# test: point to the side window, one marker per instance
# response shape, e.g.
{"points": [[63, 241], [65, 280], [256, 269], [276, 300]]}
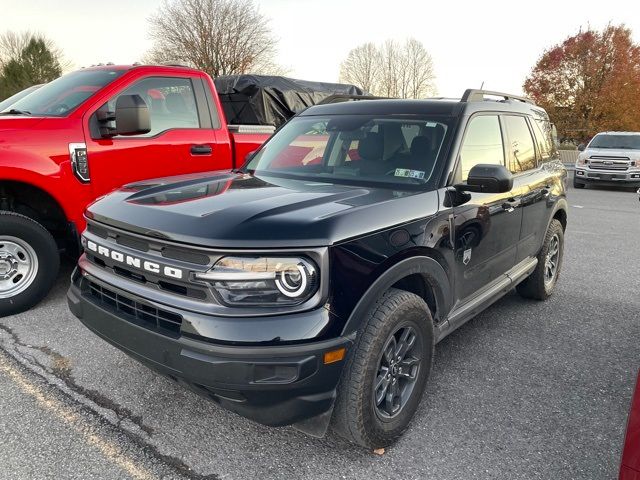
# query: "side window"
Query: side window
{"points": [[482, 143], [544, 135], [522, 153], [171, 102]]}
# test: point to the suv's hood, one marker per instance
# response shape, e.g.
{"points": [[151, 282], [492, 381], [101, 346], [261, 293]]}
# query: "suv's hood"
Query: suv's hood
{"points": [[230, 210], [611, 152]]}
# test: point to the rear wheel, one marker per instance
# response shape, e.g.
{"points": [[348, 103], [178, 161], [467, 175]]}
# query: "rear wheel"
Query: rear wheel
{"points": [[540, 284], [387, 371], [29, 262]]}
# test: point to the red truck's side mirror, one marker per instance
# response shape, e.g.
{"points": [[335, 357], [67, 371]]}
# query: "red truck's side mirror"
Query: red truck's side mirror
{"points": [[132, 115]]}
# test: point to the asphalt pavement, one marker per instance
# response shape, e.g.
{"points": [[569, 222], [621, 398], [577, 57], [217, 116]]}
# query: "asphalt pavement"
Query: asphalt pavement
{"points": [[526, 390]]}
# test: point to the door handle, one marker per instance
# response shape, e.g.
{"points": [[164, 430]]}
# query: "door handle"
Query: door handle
{"points": [[511, 204], [201, 149]]}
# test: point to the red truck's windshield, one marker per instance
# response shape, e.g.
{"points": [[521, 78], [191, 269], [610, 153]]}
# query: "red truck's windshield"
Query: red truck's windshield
{"points": [[62, 95]]}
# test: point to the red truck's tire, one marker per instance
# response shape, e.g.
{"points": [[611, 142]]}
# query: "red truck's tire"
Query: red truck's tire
{"points": [[29, 262]]}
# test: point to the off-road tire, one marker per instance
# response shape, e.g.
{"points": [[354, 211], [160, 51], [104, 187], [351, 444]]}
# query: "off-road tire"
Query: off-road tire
{"points": [[535, 286], [355, 417], [45, 247]]}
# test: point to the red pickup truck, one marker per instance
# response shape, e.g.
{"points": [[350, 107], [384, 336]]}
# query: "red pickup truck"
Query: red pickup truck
{"points": [[86, 133]]}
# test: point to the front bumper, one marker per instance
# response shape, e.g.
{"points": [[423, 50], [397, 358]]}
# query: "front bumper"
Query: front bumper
{"points": [[272, 385], [608, 177]]}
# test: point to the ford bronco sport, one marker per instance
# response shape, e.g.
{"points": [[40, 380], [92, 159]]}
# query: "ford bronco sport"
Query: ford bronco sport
{"points": [[310, 286]]}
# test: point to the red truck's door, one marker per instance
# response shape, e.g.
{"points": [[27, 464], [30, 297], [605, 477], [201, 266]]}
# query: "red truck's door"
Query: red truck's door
{"points": [[182, 137]]}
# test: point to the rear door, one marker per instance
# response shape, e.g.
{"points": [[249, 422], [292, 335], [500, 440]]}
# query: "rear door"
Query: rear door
{"points": [[487, 226], [531, 179], [181, 139]]}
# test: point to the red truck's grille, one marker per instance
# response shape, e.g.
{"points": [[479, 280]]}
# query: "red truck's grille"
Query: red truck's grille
{"points": [[153, 318]]}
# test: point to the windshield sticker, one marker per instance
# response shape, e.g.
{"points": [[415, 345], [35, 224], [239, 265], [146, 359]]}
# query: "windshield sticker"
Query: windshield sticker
{"points": [[405, 172]]}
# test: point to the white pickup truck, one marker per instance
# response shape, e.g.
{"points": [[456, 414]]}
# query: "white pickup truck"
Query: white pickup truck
{"points": [[611, 159]]}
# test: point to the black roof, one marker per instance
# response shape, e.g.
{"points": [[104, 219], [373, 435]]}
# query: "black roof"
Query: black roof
{"points": [[472, 101], [386, 107]]}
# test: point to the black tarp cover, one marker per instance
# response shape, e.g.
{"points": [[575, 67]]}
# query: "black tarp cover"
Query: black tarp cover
{"points": [[272, 100]]}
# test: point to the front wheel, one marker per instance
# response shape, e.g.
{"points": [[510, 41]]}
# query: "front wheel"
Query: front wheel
{"points": [[577, 184], [387, 371], [29, 262], [540, 284]]}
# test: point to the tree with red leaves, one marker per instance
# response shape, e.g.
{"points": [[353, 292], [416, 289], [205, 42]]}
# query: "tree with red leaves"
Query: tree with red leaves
{"points": [[590, 83]]}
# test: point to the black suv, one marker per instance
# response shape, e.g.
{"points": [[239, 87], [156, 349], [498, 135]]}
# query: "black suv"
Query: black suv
{"points": [[311, 286]]}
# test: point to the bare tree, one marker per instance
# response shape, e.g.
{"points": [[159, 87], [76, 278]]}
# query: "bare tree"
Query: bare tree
{"points": [[361, 67], [392, 69], [419, 70], [221, 37]]}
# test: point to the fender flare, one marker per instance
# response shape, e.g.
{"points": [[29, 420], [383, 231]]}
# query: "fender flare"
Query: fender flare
{"points": [[433, 273], [561, 204]]}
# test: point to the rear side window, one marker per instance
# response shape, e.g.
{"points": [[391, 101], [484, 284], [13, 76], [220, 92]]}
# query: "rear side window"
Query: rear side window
{"points": [[171, 102], [522, 153], [544, 138], [482, 144]]}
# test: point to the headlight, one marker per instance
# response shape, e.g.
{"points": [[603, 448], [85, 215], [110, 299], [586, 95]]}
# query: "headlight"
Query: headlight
{"points": [[262, 281], [582, 159]]}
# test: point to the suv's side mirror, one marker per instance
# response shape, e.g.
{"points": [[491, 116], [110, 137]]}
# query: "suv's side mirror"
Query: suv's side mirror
{"points": [[487, 178], [132, 115], [581, 147]]}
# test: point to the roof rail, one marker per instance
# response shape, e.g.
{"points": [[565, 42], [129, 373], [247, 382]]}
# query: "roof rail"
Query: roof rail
{"points": [[346, 98], [473, 95]]}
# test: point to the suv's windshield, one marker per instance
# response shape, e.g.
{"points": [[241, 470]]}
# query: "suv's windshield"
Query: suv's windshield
{"points": [[356, 149], [62, 95], [624, 142]]}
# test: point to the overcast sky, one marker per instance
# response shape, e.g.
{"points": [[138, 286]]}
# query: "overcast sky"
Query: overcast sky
{"points": [[470, 42]]}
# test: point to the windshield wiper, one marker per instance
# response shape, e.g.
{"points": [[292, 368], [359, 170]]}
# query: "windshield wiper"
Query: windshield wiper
{"points": [[15, 111]]}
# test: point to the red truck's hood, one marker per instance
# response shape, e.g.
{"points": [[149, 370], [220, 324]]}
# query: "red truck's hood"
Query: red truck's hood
{"points": [[18, 122]]}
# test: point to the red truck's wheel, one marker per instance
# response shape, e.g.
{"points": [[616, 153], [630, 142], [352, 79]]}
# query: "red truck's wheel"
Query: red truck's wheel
{"points": [[29, 262]]}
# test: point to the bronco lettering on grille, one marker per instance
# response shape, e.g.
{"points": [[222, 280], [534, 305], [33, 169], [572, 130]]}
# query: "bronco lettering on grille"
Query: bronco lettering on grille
{"points": [[131, 261]]}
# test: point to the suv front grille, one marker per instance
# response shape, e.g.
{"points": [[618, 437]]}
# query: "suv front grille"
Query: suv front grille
{"points": [[161, 321]]}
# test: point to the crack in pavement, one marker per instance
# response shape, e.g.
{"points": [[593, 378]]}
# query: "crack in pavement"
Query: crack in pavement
{"points": [[91, 401]]}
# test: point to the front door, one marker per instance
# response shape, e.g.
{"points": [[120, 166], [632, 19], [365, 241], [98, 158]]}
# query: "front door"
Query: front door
{"points": [[178, 143], [487, 225]]}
